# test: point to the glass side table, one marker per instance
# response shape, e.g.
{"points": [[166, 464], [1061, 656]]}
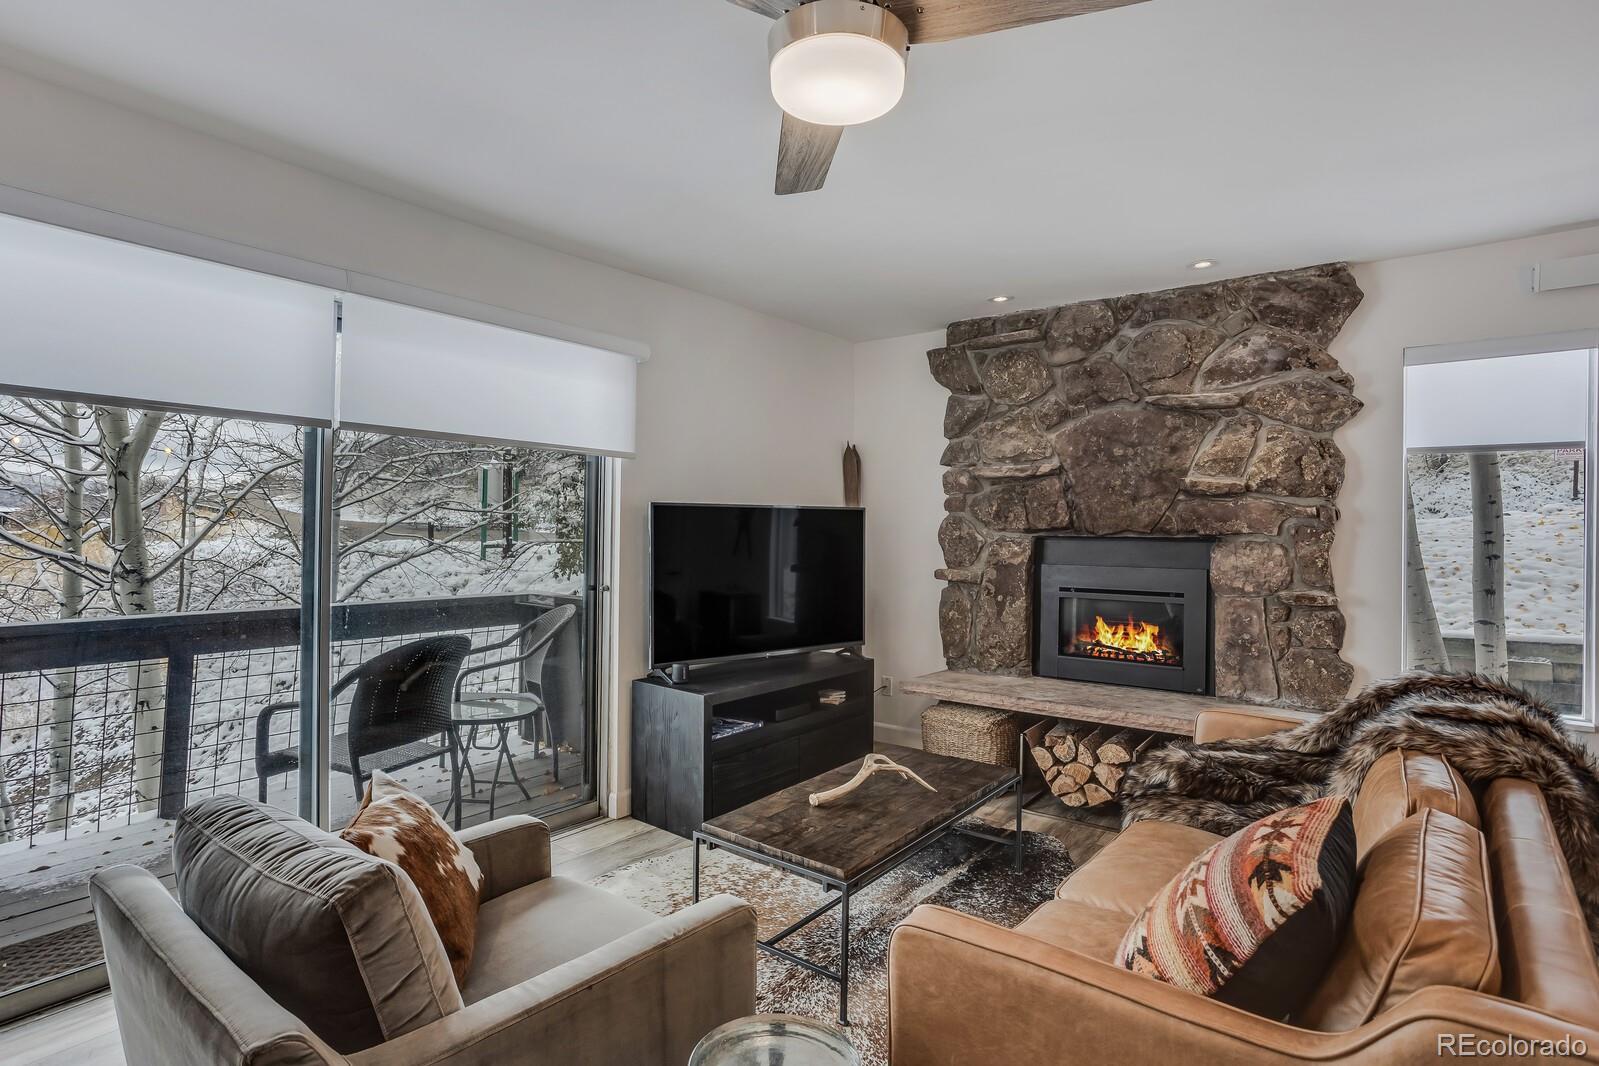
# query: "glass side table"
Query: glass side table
{"points": [[775, 1040], [494, 714]]}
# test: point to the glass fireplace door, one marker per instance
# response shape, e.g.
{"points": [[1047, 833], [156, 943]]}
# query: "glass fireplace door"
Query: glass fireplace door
{"points": [[1122, 627]]}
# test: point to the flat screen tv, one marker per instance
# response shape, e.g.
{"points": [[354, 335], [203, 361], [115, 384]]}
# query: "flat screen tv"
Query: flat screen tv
{"points": [[730, 582]]}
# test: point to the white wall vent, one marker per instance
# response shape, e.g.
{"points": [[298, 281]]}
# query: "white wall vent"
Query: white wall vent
{"points": [[1570, 273]]}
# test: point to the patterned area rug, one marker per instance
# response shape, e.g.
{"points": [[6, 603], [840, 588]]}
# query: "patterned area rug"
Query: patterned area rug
{"points": [[970, 876]]}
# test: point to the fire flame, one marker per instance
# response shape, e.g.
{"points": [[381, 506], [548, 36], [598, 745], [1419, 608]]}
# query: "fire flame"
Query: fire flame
{"points": [[1135, 639]]}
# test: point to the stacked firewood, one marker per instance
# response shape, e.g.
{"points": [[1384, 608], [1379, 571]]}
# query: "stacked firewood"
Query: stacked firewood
{"points": [[1083, 765]]}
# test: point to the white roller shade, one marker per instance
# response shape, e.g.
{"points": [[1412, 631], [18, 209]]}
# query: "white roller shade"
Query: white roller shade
{"points": [[95, 317], [1508, 401], [402, 368]]}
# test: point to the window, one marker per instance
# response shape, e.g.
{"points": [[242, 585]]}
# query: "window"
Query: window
{"points": [[201, 562], [1499, 519]]}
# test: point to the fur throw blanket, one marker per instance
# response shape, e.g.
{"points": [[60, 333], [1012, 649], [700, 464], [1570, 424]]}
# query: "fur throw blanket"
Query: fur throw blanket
{"points": [[1485, 729]]}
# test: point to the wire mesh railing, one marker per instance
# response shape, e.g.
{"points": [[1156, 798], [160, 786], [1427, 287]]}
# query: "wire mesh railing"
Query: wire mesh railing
{"points": [[110, 721]]}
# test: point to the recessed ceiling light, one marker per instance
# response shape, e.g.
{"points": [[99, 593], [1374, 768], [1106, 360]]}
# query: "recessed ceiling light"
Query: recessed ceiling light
{"points": [[999, 299], [1202, 264]]}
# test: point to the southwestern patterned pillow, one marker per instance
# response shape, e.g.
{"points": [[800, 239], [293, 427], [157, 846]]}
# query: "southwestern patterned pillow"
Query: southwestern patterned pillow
{"points": [[394, 823], [1255, 919]]}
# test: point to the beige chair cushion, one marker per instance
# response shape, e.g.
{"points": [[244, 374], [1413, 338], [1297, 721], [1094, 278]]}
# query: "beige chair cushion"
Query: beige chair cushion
{"points": [[537, 928], [1424, 917], [338, 937], [1402, 783], [1128, 871], [1091, 931]]}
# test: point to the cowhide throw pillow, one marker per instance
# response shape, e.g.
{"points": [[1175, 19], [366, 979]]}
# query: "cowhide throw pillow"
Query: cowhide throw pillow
{"points": [[1254, 920], [396, 824]]}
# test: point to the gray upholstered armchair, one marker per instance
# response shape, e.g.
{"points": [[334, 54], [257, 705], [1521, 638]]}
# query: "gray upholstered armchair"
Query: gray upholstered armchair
{"points": [[292, 947]]}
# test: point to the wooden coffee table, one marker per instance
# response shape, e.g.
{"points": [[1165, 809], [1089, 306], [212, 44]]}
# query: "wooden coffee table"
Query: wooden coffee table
{"points": [[851, 843]]}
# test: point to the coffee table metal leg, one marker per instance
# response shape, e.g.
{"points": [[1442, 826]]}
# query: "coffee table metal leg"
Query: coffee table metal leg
{"points": [[843, 956], [696, 869]]}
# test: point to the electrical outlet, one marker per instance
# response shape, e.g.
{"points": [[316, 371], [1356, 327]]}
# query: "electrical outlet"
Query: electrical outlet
{"points": [[890, 686]]}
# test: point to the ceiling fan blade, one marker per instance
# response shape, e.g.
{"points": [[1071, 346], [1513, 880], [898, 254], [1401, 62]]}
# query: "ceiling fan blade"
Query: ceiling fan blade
{"points": [[930, 21], [804, 154]]}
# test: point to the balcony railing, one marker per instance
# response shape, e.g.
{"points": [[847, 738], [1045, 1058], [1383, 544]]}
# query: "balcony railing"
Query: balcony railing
{"points": [[114, 720]]}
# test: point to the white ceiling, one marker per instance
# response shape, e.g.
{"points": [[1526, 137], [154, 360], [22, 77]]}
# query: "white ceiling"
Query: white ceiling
{"points": [[1091, 156]]}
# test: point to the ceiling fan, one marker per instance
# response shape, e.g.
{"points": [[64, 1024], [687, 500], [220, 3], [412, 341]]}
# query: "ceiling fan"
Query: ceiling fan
{"points": [[837, 63]]}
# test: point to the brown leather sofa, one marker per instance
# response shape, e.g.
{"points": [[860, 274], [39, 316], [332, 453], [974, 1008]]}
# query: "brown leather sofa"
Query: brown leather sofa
{"points": [[1494, 948]]}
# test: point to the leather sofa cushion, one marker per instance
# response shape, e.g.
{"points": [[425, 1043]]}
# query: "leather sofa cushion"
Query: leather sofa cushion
{"points": [[1239, 725], [1424, 917], [1545, 951], [1402, 783], [540, 926], [337, 937], [1091, 931], [1128, 871]]}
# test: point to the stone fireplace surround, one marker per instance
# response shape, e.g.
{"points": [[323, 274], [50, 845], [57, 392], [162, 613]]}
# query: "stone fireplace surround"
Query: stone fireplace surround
{"points": [[1205, 411]]}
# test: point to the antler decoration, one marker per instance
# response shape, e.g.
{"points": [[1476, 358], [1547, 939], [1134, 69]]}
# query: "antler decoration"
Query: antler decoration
{"points": [[870, 766]]}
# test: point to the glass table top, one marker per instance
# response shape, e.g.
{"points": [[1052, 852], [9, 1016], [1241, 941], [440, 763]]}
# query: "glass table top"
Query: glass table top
{"points": [[775, 1040], [495, 707]]}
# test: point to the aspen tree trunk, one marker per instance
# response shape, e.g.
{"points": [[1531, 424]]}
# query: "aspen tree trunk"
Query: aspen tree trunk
{"points": [[8, 821], [1424, 642], [65, 682], [1488, 566], [126, 445]]}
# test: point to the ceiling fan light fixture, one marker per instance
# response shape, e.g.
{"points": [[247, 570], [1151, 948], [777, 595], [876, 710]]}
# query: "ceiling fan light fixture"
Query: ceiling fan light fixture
{"points": [[838, 62]]}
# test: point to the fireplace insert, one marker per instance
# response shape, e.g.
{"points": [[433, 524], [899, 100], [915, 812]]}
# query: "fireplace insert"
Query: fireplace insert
{"points": [[1126, 611]]}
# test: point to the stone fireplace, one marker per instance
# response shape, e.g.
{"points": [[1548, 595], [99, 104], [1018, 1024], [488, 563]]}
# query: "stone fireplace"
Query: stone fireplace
{"points": [[1200, 413]]}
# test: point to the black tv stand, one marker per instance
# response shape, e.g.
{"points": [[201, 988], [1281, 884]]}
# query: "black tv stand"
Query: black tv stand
{"points": [[688, 767]]}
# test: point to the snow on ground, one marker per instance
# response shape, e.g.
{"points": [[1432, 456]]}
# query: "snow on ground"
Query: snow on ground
{"points": [[1543, 572], [1543, 542]]}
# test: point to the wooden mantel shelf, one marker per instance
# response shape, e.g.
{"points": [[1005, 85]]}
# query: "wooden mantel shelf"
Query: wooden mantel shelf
{"points": [[1082, 701]]}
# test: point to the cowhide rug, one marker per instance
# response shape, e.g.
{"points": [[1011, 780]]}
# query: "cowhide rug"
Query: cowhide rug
{"points": [[970, 876]]}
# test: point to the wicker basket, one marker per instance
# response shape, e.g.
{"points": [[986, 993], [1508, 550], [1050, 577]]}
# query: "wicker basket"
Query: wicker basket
{"points": [[962, 731]]}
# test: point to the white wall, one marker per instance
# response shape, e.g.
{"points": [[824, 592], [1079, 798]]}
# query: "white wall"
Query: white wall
{"points": [[733, 405], [899, 428], [1469, 294]]}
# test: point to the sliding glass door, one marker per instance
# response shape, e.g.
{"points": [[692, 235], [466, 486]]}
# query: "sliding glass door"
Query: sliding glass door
{"points": [[153, 651], [448, 546], [241, 579]]}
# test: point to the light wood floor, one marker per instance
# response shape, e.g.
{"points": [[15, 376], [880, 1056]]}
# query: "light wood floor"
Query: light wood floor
{"points": [[84, 1032]]}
